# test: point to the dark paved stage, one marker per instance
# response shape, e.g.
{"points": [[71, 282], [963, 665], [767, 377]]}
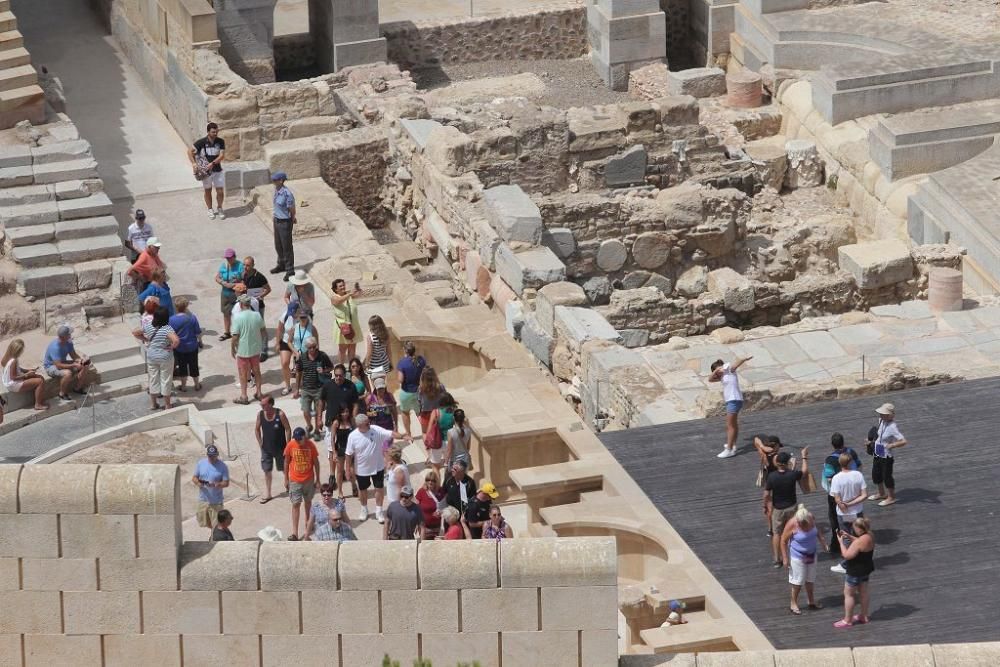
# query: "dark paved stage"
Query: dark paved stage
{"points": [[937, 550]]}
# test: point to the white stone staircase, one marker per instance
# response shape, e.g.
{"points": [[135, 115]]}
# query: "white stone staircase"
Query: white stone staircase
{"points": [[121, 370], [57, 217], [21, 98]]}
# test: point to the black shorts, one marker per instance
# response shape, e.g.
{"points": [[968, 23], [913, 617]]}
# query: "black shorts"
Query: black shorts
{"points": [[270, 460], [283, 346], [882, 472], [186, 364], [377, 480]]}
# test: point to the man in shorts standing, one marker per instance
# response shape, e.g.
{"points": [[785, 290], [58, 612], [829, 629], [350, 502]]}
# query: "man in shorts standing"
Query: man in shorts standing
{"points": [[302, 476], [246, 347], [308, 385], [366, 462], [138, 235], [780, 498], [257, 288], [273, 432], [229, 275], [211, 476], [210, 151], [731, 394]]}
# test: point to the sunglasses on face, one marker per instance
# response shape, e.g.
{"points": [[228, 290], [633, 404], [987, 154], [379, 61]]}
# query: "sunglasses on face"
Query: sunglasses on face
{"points": [[327, 495]]}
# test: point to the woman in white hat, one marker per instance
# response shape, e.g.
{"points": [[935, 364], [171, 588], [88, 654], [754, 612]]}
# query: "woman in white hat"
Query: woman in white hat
{"points": [[301, 289], [887, 438]]}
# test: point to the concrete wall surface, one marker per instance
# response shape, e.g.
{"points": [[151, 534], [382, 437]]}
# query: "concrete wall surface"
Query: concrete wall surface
{"points": [[93, 571]]}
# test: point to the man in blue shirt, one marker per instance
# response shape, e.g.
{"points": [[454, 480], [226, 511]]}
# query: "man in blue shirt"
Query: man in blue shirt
{"points": [[230, 273], [284, 218], [62, 362], [211, 476]]}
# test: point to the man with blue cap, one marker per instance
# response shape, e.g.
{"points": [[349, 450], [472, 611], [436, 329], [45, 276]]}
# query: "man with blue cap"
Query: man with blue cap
{"points": [[284, 218]]}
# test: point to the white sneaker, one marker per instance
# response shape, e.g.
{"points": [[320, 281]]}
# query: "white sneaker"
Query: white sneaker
{"points": [[220, 214], [211, 214], [363, 514], [726, 453], [838, 568], [379, 516]]}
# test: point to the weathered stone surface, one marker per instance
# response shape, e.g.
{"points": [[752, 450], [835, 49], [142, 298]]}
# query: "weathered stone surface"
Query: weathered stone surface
{"points": [[652, 249], [596, 128], [612, 255], [635, 279], [138, 489], [632, 338], [398, 571], [878, 263], [95, 274], [697, 82], [677, 110], [296, 566], [727, 335], [534, 267], [449, 150], [736, 291], [559, 240], [538, 342], [556, 294], [770, 160], [447, 565], [661, 283], [582, 324], [512, 214], [918, 655], [805, 167], [598, 290], [57, 489], [418, 129], [627, 168], [219, 566], [966, 655], [514, 318]]}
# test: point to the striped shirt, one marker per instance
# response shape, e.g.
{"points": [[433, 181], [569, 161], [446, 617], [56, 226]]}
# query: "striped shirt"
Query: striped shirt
{"points": [[310, 369], [158, 342], [380, 358]]}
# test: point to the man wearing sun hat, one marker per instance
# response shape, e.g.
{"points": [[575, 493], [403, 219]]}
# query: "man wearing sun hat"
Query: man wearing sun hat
{"points": [[284, 218], [478, 511], [142, 269], [887, 438]]}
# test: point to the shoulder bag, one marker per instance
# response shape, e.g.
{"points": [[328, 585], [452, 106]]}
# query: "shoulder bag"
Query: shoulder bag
{"points": [[432, 439]]}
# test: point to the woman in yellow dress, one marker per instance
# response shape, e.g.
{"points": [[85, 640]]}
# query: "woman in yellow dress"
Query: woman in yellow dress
{"points": [[346, 327]]}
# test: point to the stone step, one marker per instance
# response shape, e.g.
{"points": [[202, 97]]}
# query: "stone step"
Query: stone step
{"points": [[16, 419], [85, 227], [98, 204], [70, 251], [7, 20], [18, 77], [29, 215], [110, 350], [14, 57], [123, 367], [47, 280], [63, 151], [31, 235], [25, 103], [4, 5], [11, 177], [11, 39], [65, 171], [25, 194], [77, 188], [37, 256]]}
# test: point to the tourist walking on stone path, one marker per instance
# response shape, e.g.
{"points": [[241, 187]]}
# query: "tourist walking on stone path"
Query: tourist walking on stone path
{"points": [[17, 379], [408, 372], [188, 330], [319, 514], [477, 513], [439, 427], [799, 545], [497, 527], [731, 394], [283, 340], [256, 287], [767, 447], [206, 158], [859, 556], [138, 234], [346, 326], [229, 274], [455, 526], [429, 394], [160, 340], [459, 488], [378, 353], [141, 271], [336, 529], [246, 347], [221, 532], [848, 491], [284, 220], [458, 441], [403, 519], [308, 384], [396, 473], [62, 362], [301, 476], [366, 463], [159, 288], [832, 466], [211, 476], [887, 439], [302, 330], [362, 384], [432, 499], [780, 498], [381, 406], [302, 291], [337, 395], [336, 446], [273, 433]]}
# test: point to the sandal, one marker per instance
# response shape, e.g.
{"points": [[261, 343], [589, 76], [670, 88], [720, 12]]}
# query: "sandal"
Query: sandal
{"points": [[39, 408], [242, 401], [182, 388], [797, 612], [264, 501], [815, 606], [197, 386], [226, 336], [65, 397], [841, 624], [285, 391], [859, 619]]}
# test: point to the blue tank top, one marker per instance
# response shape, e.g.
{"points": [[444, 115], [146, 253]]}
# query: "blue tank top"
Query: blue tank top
{"points": [[803, 545]]}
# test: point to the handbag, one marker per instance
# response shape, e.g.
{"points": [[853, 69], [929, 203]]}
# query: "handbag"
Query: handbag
{"points": [[872, 437], [432, 439], [346, 330], [201, 170]]}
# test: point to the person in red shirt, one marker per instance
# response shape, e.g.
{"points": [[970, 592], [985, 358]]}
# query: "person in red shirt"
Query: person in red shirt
{"points": [[149, 259], [302, 478], [457, 528], [430, 498]]}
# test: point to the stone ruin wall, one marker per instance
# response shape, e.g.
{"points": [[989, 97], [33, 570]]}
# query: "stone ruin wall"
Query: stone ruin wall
{"points": [[93, 571]]}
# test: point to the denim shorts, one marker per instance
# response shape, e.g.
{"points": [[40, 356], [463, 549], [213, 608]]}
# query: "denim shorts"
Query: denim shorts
{"points": [[854, 582], [733, 407]]}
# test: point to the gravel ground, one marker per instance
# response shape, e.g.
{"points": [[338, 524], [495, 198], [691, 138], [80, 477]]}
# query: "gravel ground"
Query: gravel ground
{"points": [[569, 83]]}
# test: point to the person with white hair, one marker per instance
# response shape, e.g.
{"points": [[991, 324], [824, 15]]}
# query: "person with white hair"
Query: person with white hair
{"points": [[887, 438], [308, 383], [799, 544], [366, 463]]}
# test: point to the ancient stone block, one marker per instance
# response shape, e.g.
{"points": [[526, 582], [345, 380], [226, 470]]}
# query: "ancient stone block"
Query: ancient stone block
{"points": [[697, 82], [597, 128], [501, 293], [356, 612], [55, 649], [299, 158], [233, 111], [138, 489], [877, 264], [370, 649], [299, 650], [677, 110], [219, 566], [260, 612], [611, 255], [47, 280], [914, 655], [158, 535], [59, 574], [181, 612], [445, 565], [9, 474], [771, 161], [398, 560], [512, 214], [449, 150], [66, 489], [559, 240], [95, 274], [559, 646], [204, 650], [651, 250], [514, 318], [10, 574], [600, 647], [297, 566], [598, 290], [566, 561], [101, 613], [582, 324], [627, 168], [556, 294], [418, 130], [503, 609], [28, 536], [400, 615], [538, 342], [146, 649], [533, 267], [735, 290], [481, 648], [98, 536], [139, 574], [805, 166], [693, 282], [632, 338], [580, 608]]}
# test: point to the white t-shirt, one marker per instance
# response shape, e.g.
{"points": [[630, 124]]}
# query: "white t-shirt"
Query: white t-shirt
{"points": [[848, 484], [392, 489], [888, 433], [367, 449], [139, 237], [9, 382], [730, 385]]}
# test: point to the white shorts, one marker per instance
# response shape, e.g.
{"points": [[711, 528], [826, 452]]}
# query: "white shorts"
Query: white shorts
{"points": [[436, 455], [215, 179], [800, 573]]}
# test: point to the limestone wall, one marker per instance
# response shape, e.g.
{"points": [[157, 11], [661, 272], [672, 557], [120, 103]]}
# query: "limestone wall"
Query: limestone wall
{"points": [[93, 572], [552, 33]]}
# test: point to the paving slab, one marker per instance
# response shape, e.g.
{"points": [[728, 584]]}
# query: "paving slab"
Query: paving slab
{"points": [[784, 349], [934, 345], [819, 345], [857, 334], [959, 322], [808, 371], [989, 316]]}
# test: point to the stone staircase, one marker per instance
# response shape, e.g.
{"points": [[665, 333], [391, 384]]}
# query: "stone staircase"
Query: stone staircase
{"points": [[21, 98], [121, 370], [57, 217]]}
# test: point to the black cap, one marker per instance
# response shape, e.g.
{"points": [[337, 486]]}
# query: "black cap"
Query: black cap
{"points": [[140, 214], [783, 458]]}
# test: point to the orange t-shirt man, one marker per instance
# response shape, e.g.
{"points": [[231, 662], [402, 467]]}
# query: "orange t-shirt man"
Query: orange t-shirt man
{"points": [[302, 457]]}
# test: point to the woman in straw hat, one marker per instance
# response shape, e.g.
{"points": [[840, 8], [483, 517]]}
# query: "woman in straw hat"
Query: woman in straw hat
{"points": [[887, 438], [301, 289]]}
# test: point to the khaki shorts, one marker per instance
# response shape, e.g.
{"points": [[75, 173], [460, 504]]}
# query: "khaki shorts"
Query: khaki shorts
{"points": [[299, 491], [208, 514], [780, 517]]}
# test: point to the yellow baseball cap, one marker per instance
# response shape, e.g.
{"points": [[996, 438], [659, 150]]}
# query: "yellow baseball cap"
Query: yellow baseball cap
{"points": [[490, 490]]}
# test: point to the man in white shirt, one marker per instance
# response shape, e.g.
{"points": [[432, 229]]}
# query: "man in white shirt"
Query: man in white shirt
{"points": [[887, 438], [139, 233], [366, 463], [848, 490], [731, 394]]}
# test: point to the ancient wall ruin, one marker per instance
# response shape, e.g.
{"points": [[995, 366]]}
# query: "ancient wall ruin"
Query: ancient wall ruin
{"points": [[94, 572]]}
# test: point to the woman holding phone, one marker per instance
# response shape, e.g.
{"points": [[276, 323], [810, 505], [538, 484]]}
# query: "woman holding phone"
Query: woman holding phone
{"points": [[346, 326]]}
